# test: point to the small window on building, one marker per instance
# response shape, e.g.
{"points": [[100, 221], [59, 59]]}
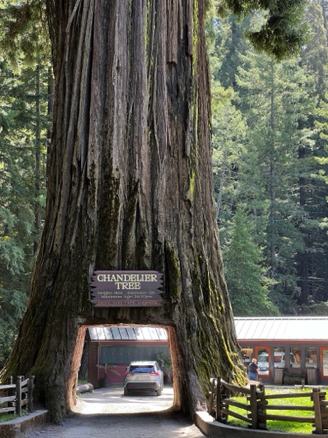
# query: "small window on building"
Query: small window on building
{"points": [[295, 357], [311, 357], [247, 355], [263, 361], [279, 357]]}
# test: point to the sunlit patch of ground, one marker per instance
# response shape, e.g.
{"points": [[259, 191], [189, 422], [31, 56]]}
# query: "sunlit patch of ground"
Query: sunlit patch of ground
{"points": [[112, 400]]}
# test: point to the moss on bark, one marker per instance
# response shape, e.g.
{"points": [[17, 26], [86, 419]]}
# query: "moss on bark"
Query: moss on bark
{"points": [[129, 187]]}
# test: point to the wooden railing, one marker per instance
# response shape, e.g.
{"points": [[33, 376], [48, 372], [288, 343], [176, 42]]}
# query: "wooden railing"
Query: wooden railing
{"points": [[14, 397], [258, 403]]}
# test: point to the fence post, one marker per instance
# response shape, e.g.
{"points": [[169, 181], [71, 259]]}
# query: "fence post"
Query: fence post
{"points": [[19, 395], [218, 416], [253, 402], [227, 395], [30, 394], [261, 406], [210, 406], [10, 391], [317, 410]]}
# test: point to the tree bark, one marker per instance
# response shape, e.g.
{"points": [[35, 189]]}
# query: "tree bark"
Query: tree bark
{"points": [[37, 217], [129, 187], [272, 178]]}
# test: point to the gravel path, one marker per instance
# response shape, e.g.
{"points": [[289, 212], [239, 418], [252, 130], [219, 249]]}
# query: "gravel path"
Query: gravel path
{"points": [[107, 413]]}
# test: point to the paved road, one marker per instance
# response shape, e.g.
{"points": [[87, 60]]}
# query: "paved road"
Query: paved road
{"points": [[107, 413]]}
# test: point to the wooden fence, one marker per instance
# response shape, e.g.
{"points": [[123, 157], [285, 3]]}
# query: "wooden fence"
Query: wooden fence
{"points": [[258, 403], [14, 397]]}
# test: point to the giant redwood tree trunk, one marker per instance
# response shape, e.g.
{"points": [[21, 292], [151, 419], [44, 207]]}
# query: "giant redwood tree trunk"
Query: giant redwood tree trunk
{"points": [[130, 187]]}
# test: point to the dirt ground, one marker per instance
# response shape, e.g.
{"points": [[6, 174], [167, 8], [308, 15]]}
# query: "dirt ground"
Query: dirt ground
{"points": [[107, 413]]}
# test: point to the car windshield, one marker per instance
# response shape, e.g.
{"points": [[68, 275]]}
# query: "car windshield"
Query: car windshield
{"points": [[142, 369]]}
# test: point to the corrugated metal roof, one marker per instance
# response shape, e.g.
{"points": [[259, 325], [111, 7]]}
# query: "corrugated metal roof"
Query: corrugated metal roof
{"points": [[127, 334], [282, 328]]}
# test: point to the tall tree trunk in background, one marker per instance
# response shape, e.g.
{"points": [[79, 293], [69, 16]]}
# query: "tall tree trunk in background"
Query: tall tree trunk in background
{"points": [[323, 6], [272, 179], [50, 110], [304, 261], [37, 218], [129, 187], [222, 176]]}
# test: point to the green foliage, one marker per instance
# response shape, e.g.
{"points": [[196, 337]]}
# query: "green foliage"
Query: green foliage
{"points": [[226, 43], [314, 54], [275, 112], [293, 375], [276, 100], [23, 32], [280, 426], [282, 33], [270, 157], [7, 417], [246, 278], [165, 361], [318, 309], [23, 130], [24, 122]]}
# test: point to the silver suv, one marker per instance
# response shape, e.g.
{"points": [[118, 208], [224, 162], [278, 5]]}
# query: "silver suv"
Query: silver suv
{"points": [[143, 375]]}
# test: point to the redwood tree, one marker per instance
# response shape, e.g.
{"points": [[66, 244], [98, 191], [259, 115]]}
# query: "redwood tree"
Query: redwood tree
{"points": [[129, 187]]}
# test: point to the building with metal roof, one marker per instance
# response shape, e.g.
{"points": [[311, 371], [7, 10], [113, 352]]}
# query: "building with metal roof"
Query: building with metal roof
{"points": [[282, 328], [111, 349], [127, 334], [285, 346]]}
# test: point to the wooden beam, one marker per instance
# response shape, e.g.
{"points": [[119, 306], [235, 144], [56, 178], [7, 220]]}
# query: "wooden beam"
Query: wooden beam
{"points": [[287, 418]]}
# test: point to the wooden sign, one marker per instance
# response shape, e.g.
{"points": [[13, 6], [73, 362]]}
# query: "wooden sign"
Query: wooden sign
{"points": [[126, 288]]}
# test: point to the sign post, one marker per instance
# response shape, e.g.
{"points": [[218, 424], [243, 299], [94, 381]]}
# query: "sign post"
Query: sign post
{"points": [[126, 289]]}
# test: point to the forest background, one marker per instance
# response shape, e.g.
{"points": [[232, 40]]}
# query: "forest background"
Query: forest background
{"points": [[270, 162]]}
